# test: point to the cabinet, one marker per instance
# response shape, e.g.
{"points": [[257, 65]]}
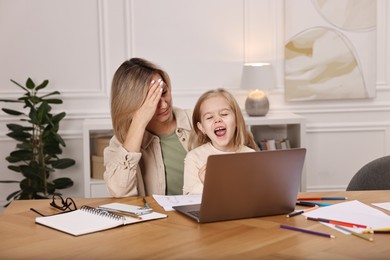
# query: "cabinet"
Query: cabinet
{"points": [[92, 129], [275, 125], [278, 126]]}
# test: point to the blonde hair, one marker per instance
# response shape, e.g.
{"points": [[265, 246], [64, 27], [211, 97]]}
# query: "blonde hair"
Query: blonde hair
{"points": [[242, 135], [129, 88]]}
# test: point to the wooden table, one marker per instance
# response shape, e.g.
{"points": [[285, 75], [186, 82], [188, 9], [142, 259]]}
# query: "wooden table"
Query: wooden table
{"points": [[180, 237]]}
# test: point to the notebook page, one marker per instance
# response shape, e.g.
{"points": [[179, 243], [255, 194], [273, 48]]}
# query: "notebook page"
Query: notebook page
{"points": [[79, 222]]}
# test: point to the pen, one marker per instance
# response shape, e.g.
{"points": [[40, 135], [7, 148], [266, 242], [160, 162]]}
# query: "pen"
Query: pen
{"points": [[146, 203], [122, 213], [311, 204], [298, 212], [355, 233], [307, 231], [335, 222], [323, 198]]}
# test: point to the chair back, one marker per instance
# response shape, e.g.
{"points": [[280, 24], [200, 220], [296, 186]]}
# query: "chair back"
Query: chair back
{"points": [[375, 175]]}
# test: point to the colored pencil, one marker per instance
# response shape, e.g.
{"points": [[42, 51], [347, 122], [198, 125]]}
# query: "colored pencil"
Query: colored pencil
{"points": [[377, 231], [307, 231], [354, 233], [323, 198], [336, 222], [311, 204], [299, 212], [381, 229]]}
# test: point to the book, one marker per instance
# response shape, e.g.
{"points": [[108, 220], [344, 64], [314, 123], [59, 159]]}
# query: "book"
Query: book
{"points": [[87, 220]]}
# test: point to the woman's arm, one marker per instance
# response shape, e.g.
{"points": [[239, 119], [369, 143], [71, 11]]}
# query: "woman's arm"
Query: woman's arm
{"points": [[122, 173]]}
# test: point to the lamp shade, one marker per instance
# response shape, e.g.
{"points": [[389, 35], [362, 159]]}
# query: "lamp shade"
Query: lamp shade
{"points": [[257, 76]]}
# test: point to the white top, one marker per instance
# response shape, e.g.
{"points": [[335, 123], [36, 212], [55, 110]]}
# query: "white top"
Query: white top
{"points": [[197, 158]]}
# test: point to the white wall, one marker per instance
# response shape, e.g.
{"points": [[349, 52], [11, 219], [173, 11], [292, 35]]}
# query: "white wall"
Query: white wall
{"points": [[78, 45]]}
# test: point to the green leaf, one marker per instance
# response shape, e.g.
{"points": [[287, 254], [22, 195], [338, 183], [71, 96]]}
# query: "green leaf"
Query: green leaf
{"points": [[30, 84], [17, 128], [10, 101], [62, 183], [9, 181], [34, 117], [57, 118], [31, 172], [19, 136], [14, 195], [25, 89], [12, 159], [59, 139], [42, 111], [12, 112], [54, 101], [22, 154], [52, 148], [35, 100], [51, 188], [42, 85], [24, 145], [14, 168], [63, 163], [51, 94]]}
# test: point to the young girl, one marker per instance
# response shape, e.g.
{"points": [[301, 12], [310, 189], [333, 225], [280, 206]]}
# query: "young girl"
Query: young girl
{"points": [[219, 127]]}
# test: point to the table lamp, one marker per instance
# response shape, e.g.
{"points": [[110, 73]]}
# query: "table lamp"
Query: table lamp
{"points": [[258, 77]]}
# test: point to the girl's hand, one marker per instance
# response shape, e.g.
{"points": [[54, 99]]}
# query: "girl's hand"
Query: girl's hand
{"points": [[202, 173], [147, 110]]}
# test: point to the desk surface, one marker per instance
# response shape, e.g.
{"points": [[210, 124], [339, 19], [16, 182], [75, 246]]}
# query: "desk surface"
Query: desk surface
{"points": [[180, 237]]}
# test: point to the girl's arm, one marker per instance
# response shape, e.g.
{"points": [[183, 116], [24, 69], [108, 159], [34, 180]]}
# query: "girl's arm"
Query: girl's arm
{"points": [[192, 182]]}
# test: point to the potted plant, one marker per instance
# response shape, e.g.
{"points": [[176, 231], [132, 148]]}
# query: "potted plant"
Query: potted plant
{"points": [[38, 143]]}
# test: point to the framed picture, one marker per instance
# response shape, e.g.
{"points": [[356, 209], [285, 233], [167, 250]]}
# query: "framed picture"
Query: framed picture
{"points": [[330, 49]]}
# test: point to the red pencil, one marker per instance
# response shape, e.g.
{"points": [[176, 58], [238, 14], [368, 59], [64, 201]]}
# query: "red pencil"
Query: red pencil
{"points": [[336, 222]]}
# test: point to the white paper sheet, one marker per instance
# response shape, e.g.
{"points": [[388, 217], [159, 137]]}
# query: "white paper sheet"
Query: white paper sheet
{"points": [[353, 212], [167, 201], [383, 205]]}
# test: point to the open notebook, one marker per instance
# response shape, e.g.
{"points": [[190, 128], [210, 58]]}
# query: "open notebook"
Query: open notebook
{"points": [[88, 220]]}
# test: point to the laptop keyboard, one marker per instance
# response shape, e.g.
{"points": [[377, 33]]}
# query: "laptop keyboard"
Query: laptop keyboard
{"points": [[194, 213]]}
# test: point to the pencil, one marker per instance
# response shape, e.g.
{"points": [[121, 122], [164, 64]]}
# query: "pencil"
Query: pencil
{"points": [[298, 212], [336, 222], [323, 198], [355, 233], [307, 231], [124, 214], [311, 204], [377, 231]]}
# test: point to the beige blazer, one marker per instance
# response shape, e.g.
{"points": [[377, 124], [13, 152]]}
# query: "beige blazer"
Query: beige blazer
{"points": [[143, 173]]}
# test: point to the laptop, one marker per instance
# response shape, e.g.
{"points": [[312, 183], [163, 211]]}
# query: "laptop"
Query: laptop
{"points": [[248, 185]]}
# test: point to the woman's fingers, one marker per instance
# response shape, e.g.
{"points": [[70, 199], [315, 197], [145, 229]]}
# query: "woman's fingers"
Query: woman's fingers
{"points": [[148, 108]]}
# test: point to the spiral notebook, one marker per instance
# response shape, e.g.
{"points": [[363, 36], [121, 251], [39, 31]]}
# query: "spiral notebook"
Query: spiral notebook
{"points": [[88, 220]]}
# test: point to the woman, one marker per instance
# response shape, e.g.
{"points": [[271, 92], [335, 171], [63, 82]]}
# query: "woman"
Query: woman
{"points": [[146, 154]]}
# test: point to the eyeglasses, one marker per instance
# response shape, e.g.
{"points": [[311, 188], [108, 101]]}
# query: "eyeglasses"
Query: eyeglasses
{"points": [[60, 203], [63, 204]]}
